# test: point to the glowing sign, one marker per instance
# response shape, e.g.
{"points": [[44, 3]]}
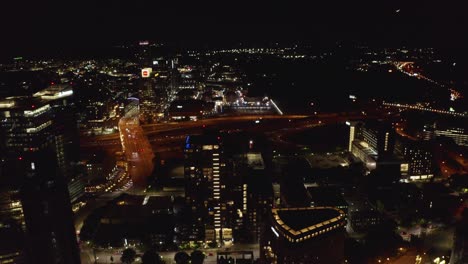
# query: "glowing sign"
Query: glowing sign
{"points": [[146, 72]]}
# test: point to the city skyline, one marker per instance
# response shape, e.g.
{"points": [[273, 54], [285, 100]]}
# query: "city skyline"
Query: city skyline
{"points": [[233, 133]]}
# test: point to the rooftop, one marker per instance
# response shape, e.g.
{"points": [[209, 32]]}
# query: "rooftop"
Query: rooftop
{"points": [[202, 139], [298, 224], [299, 219], [37, 99], [326, 196]]}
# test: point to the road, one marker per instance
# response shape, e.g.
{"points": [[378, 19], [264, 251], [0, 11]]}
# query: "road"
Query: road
{"points": [[104, 255], [137, 149], [156, 129]]}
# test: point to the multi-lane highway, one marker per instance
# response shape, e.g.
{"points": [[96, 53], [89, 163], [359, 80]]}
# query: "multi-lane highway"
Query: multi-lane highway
{"points": [[156, 129]]}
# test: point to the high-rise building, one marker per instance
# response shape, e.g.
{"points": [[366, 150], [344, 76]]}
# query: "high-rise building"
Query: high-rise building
{"points": [[374, 144], [213, 192], [304, 235], [380, 137], [38, 150], [257, 196], [417, 160], [148, 99]]}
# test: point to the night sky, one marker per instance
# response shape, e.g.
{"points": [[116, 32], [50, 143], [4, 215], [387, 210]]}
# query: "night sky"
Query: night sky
{"points": [[48, 26]]}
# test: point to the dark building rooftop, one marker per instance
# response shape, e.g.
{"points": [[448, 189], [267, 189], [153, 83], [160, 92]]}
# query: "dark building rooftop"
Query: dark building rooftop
{"points": [[38, 99], [299, 224], [326, 196], [299, 219], [202, 139]]}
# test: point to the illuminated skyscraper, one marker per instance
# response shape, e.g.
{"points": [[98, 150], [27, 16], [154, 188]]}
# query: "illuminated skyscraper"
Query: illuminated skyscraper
{"points": [[38, 148]]}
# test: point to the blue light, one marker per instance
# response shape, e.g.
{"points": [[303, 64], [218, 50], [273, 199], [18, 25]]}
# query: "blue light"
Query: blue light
{"points": [[187, 140], [187, 146]]}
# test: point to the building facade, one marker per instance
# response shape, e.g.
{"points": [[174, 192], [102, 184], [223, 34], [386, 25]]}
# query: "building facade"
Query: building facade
{"points": [[213, 192], [37, 164]]}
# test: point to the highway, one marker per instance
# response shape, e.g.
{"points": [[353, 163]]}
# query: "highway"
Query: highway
{"points": [[155, 129], [166, 139]]}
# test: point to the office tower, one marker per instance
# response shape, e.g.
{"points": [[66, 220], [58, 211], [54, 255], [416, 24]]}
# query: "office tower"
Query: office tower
{"points": [[304, 235], [417, 160], [148, 99], [213, 191], [380, 137], [259, 194], [36, 170], [374, 144]]}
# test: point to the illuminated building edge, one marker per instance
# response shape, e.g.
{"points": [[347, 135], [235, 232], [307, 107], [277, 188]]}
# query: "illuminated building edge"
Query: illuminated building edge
{"points": [[297, 236]]}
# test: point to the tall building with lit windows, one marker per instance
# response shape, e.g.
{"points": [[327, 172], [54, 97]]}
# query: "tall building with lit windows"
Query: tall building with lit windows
{"points": [[417, 162], [213, 192], [38, 144], [380, 137], [373, 143]]}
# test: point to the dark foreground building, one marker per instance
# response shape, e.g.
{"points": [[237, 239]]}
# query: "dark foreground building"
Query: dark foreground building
{"points": [[35, 174], [304, 235]]}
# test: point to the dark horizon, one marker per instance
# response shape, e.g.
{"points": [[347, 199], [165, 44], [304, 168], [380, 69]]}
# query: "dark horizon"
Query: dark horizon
{"points": [[50, 28]]}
